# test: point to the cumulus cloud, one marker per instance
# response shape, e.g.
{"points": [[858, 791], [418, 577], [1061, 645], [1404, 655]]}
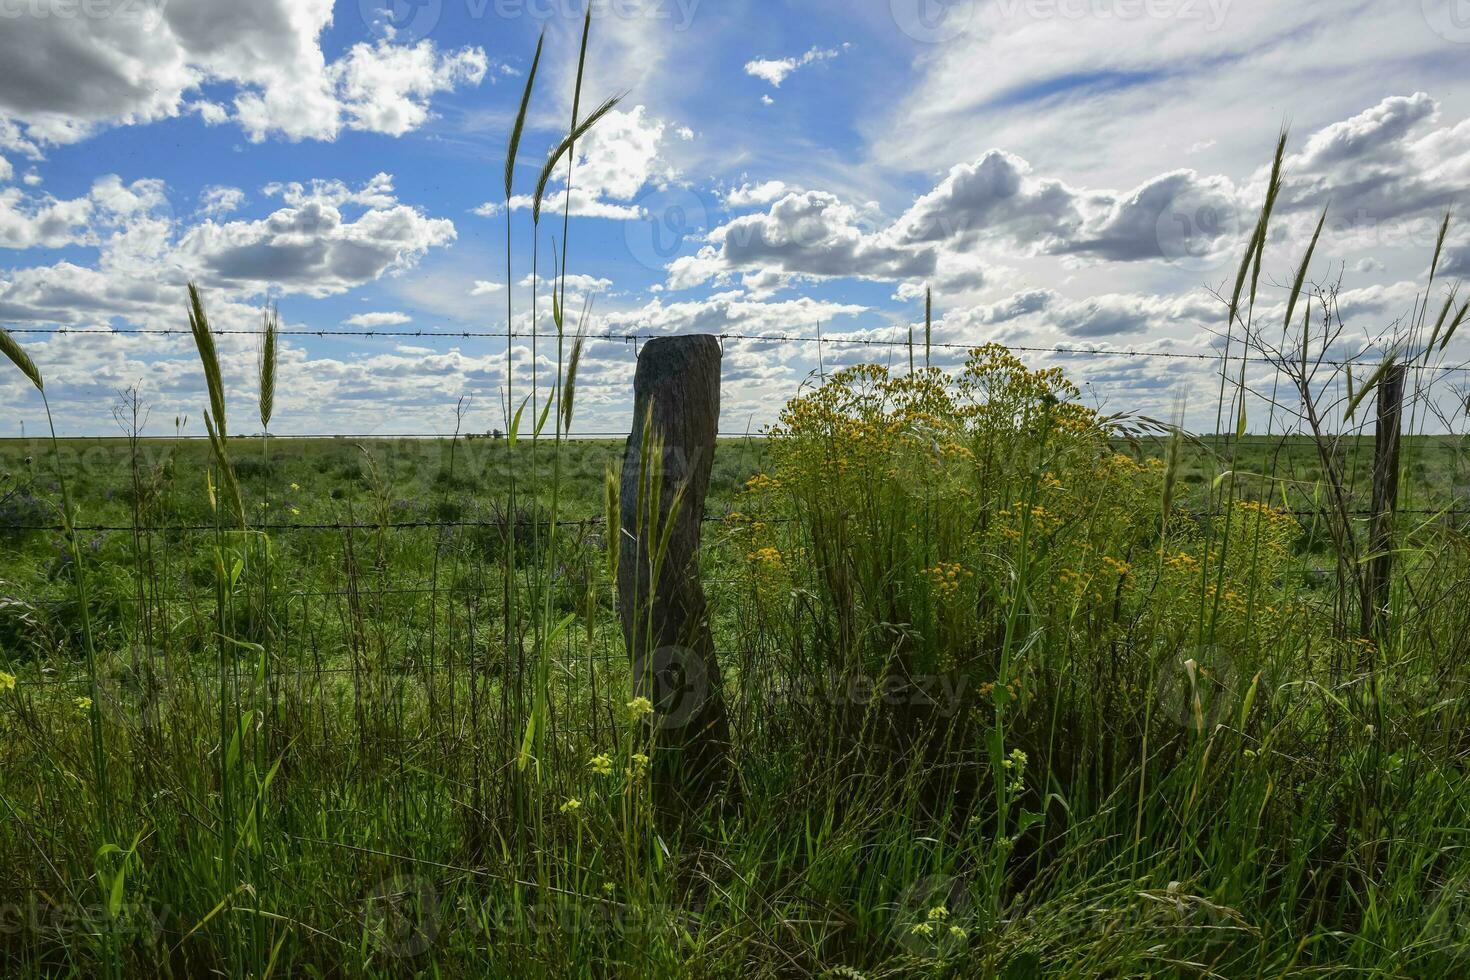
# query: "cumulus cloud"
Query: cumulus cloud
{"points": [[777, 70], [484, 287], [386, 88], [1388, 163], [145, 255], [811, 233], [1114, 315], [312, 248], [28, 221], [378, 320], [217, 201], [144, 62], [377, 192], [750, 195], [617, 159]]}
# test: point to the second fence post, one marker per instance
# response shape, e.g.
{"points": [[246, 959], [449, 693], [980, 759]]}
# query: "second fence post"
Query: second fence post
{"points": [[1386, 443], [660, 598]]}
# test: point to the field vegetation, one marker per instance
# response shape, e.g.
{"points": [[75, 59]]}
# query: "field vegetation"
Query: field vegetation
{"points": [[1014, 688]]}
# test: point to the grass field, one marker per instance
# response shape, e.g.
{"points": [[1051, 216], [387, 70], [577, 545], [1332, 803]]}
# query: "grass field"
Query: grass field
{"points": [[993, 688], [380, 827]]}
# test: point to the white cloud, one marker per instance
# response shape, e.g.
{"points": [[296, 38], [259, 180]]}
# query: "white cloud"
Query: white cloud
{"points": [[1384, 163], [6, 170], [483, 287], [144, 62], [378, 192], [145, 256], [386, 88], [1110, 93], [749, 195], [311, 248], [46, 222], [810, 233], [1389, 173], [378, 320], [1115, 315], [216, 200], [617, 159], [777, 70]]}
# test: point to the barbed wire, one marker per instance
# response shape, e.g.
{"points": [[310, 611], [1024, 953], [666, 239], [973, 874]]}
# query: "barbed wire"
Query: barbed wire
{"points": [[570, 523], [475, 435], [634, 337], [598, 521]]}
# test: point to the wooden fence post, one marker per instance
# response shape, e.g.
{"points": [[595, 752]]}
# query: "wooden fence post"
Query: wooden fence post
{"points": [[1386, 444], [666, 622]]}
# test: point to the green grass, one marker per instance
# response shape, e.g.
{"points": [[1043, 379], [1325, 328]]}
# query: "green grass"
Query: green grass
{"points": [[388, 753], [1009, 695]]}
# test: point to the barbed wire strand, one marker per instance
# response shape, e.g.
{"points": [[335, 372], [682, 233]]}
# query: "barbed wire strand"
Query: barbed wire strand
{"points": [[634, 337]]}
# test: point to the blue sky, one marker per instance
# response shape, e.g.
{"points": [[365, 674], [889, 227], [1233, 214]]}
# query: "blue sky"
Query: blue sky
{"points": [[1076, 173]]}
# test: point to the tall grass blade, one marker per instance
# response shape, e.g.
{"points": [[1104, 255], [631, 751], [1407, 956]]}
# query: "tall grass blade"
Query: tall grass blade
{"points": [[1301, 272], [1455, 325], [1444, 228], [520, 124], [928, 322], [271, 322], [20, 359], [569, 387], [1367, 386], [209, 357], [561, 151]]}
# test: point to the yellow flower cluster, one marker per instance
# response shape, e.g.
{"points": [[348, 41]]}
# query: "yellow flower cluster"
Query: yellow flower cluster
{"points": [[1181, 561], [946, 578], [770, 556]]}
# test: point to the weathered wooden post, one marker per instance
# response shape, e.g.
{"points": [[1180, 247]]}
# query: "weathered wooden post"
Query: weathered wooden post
{"points": [[660, 598], [1386, 444]]}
